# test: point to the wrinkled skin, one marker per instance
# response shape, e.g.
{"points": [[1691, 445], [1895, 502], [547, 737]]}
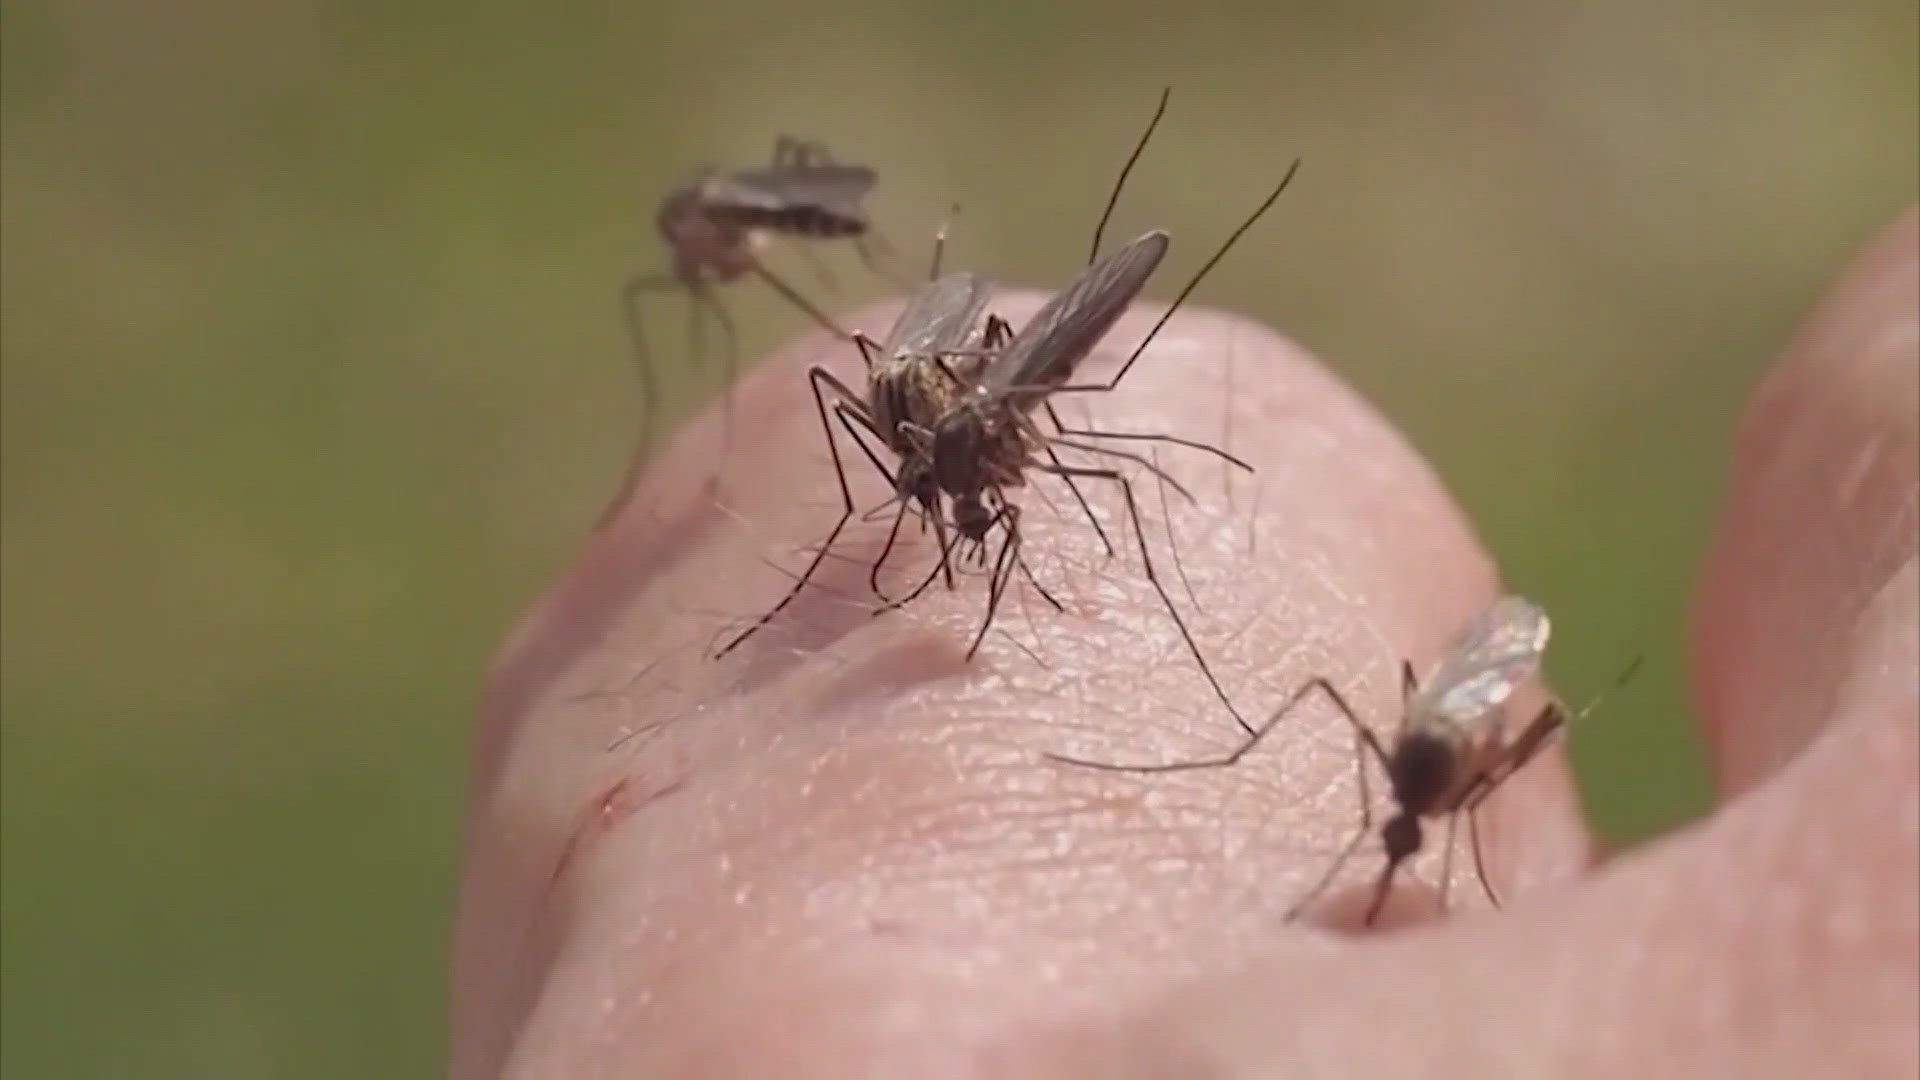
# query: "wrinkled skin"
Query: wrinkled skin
{"points": [[841, 853]]}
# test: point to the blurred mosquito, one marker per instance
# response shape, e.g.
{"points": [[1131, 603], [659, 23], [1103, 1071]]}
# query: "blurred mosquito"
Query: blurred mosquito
{"points": [[1451, 751], [717, 221]]}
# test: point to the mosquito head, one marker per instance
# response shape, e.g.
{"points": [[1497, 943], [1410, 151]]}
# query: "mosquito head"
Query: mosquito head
{"points": [[972, 519], [1422, 770], [699, 242], [680, 204]]}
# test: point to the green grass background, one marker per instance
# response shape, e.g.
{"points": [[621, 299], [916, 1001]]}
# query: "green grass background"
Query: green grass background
{"points": [[312, 376]]}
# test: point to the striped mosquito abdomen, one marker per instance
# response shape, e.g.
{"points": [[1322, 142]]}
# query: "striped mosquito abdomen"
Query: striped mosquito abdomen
{"points": [[806, 222]]}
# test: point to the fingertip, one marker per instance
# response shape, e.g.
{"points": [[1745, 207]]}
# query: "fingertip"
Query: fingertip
{"points": [[1821, 515]]}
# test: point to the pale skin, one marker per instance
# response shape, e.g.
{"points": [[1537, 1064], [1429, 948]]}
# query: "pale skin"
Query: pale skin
{"points": [[842, 853]]}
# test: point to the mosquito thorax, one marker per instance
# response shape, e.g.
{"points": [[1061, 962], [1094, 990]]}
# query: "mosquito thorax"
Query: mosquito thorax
{"points": [[677, 208], [959, 440], [1422, 771], [971, 518]]}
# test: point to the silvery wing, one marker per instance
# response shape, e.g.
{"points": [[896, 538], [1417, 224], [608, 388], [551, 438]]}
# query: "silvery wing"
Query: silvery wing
{"points": [[940, 317], [1043, 355], [1483, 664]]}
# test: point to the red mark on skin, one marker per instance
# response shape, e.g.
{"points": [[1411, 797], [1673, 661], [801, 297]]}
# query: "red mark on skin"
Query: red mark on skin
{"points": [[609, 808]]}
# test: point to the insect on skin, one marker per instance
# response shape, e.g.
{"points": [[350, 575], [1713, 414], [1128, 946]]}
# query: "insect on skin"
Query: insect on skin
{"points": [[1451, 751], [967, 432], [902, 389], [716, 221], [987, 440]]}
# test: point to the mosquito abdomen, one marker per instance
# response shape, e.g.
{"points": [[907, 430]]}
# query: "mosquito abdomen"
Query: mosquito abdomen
{"points": [[812, 222]]}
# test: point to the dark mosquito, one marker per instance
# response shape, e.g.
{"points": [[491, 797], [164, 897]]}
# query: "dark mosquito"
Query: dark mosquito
{"points": [[986, 441], [904, 391], [1451, 751], [716, 222], [962, 424]]}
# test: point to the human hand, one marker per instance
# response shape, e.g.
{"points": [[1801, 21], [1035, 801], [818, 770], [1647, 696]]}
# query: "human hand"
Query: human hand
{"points": [[842, 852]]}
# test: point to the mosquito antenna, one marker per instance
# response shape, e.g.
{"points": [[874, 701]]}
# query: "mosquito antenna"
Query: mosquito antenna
{"points": [[1126, 170], [940, 241], [1195, 283], [1626, 675]]}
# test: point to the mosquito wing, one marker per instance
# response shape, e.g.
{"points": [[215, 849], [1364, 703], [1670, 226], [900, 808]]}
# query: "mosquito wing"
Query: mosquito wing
{"points": [[828, 186], [1043, 355], [1483, 664], [940, 317]]}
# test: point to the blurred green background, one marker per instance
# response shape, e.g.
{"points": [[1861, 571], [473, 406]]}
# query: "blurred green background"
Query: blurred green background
{"points": [[313, 376]]}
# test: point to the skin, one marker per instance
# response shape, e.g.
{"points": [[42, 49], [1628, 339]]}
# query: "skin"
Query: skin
{"points": [[841, 853]]}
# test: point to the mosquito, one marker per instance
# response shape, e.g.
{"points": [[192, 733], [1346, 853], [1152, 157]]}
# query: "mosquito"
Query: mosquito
{"points": [[969, 434], [986, 442], [1451, 751], [717, 221], [941, 319]]}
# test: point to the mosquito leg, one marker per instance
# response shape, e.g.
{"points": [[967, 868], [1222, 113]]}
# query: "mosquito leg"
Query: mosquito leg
{"points": [[1125, 455], [1173, 543], [1479, 858], [1146, 559], [1533, 738], [926, 582], [773, 281], [1147, 436], [1026, 571], [1020, 563], [886, 550], [818, 267], [1381, 890], [1548, 722], [1075, 488], [729, 355], [873, 457], [1361, 731], [821, 380], [630, 295], [998, 581], [792, 151], [1359, 835], [877, 255], [1446, 859]]}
